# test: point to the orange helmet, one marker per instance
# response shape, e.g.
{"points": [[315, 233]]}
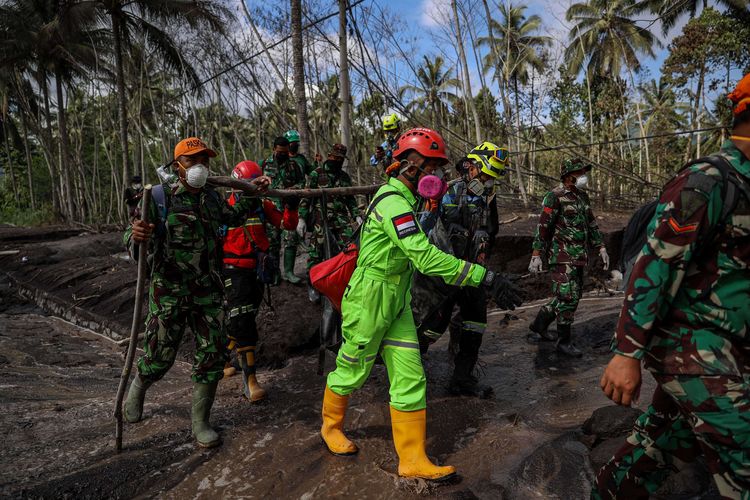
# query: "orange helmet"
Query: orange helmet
{"points": [[424, 141], [247, 170]]}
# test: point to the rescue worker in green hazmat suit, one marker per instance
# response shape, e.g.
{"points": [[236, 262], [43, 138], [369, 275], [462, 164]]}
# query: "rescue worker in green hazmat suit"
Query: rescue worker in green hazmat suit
{"points": [[376, 313]]}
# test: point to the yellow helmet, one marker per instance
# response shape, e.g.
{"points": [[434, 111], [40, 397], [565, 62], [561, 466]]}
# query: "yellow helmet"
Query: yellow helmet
{"points": [[491, 158], [391, 122]]}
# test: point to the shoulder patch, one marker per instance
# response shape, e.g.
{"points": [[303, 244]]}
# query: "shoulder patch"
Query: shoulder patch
{"points": [[700, 180], [405, 225]]}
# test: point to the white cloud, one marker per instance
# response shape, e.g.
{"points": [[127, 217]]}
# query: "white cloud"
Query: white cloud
{"points": [[435, 13]]}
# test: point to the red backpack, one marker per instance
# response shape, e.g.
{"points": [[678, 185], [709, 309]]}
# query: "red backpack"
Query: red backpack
{"points": [[331, 276]]}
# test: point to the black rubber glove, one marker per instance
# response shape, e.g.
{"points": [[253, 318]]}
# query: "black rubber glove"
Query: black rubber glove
{"points": [[503, 291], [292, 202]]}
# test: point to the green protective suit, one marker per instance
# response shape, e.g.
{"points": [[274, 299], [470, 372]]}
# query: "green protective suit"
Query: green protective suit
{"points": [[376, 311]]}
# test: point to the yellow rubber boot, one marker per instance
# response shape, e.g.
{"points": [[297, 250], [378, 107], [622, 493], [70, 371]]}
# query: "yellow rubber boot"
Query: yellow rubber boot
{"points": [[409, 435], [334, 410], [252, 390], [229, 370]]}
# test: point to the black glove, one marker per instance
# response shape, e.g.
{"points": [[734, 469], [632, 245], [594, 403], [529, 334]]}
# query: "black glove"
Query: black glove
{"points": [[292, 202], [503, 291]]}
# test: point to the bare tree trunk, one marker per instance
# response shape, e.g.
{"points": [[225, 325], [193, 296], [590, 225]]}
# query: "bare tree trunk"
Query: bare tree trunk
{"points": [[466, 80], [57, 204], [298, 65], [65, 163], [10, 163], [29, 170], [345, 86], [121, 98]]}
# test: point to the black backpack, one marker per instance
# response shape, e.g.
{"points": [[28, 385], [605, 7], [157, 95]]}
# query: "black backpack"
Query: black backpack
{"points": [[634, 236]]}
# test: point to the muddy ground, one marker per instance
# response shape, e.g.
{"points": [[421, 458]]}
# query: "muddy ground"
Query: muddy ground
{"points": [[58, 380]]}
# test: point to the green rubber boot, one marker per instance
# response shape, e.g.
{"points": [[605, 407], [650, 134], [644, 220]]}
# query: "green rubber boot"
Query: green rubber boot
{"points": [[290, 255], [203, 399], [133, 408]]}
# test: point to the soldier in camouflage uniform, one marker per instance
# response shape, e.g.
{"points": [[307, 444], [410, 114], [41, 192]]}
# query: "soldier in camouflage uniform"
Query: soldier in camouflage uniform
{"points": [[284, 174], [567, 230], [688, 319], [186, 284], [293, 137], [342, 211]]}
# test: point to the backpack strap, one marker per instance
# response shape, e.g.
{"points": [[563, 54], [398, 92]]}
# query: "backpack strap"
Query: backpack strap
{"points": [[731, 187], [373, 203], [161, 201]]}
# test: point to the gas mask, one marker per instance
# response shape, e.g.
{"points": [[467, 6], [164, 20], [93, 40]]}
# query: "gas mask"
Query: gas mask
{"points": [[137, 186], [429, 186], [475, 187], [582, 181]]}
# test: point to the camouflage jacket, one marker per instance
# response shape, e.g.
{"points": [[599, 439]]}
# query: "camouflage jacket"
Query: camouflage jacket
{"points": [[290, 175], [567, 227], [344, 207], [186, 254], [684, 315], [304, 163]]}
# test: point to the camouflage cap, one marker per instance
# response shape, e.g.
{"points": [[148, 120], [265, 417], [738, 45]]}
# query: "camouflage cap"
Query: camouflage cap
{"points": [[573, 165], [338, 150]]}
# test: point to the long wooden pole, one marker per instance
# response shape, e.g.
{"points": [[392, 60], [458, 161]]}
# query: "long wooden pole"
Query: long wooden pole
{"points": [[252, 190], [136, 324]]}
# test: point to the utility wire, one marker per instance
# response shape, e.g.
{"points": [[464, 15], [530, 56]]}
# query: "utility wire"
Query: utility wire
{"points": [[615, 141]]}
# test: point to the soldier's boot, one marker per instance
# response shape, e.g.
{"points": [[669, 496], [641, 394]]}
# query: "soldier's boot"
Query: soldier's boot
{"points": [[334, 411], [229, 368], [133, 408], [565, 343], [540, 327], [290, 255], [252, 390], [203, 400], [409, 436], [464, 382]]}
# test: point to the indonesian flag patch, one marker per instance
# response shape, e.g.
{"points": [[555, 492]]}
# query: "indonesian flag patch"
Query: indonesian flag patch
{"points": [[405, 225]]}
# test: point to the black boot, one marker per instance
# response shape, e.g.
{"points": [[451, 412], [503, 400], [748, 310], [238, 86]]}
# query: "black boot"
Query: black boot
{"points": [[464, 382], [539, 327], [565, 344]]}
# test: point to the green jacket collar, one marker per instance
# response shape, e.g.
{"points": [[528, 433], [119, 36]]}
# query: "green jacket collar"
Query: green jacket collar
{"points": [[401, 188]]}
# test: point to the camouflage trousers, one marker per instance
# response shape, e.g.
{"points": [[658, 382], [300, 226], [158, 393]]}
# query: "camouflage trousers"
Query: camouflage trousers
{"points": [[688, 416], [341, 233], [165, 325], [567, 285], [275, 237]]}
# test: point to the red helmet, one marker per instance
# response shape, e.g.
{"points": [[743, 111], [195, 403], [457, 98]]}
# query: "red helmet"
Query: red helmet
{"points": [[247, 170], [424, 141]]}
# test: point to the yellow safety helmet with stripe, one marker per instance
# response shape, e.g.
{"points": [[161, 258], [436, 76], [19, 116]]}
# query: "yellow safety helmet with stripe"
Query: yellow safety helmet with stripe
{"points": [[391, 122], [491, 159]]}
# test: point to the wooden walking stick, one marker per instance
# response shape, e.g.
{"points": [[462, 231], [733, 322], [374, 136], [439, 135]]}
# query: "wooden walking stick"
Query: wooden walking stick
{"points": [[136, 325]]}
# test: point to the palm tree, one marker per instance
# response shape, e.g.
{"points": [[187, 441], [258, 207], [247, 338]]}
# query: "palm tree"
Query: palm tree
{"points": [[298, 67], [515, 52], [606, 34], [145, 17], [433, 91], [58, 39], [669, 11]]}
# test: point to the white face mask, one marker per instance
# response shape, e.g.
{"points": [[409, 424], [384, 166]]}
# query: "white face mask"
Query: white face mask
{"points": [[582, 181], [196, 176]]}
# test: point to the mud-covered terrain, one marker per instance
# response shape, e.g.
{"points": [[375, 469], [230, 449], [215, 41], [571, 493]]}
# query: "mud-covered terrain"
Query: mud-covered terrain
{"points": [[58, 381]]}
